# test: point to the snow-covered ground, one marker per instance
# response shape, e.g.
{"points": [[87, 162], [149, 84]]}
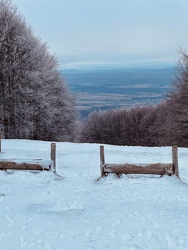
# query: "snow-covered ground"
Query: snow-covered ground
{"points": [[78, 212]]}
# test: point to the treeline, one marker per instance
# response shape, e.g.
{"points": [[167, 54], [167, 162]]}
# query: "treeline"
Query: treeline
{"points": [[35, 102], [157, 125]]}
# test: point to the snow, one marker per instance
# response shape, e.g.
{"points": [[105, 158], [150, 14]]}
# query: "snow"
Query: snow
{"points": [[75, 211]]}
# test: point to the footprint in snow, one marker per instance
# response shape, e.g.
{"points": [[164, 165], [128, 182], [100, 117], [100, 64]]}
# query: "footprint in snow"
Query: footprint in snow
{"points": [[10, 222], [2, 196], [54, 210]]}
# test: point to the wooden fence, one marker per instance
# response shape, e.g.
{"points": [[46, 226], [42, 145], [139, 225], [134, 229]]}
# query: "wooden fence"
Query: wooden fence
{"points": [[126, 168], [31, 164], [0, 141]]}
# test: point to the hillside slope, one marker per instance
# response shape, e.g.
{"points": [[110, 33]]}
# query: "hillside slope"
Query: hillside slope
{"points": [[77, 212]]}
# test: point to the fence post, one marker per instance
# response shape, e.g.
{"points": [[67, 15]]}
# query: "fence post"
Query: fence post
{"points": [[102, 160], [53, 155], [175, 160]]}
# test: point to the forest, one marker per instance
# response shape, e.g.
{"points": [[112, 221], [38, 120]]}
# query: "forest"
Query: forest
{"points": [[36, 104], [165, 123]]}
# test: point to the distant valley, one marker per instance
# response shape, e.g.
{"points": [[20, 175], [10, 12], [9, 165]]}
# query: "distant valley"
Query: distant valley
{"points": [[118, 88]]}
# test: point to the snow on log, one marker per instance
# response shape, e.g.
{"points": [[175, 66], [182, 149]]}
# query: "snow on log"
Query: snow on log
{"points": [[156, 168]]}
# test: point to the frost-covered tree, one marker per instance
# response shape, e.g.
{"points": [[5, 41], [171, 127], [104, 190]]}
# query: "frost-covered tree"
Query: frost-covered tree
{"points": [[35, 102], [176, 119], [133, 126]]}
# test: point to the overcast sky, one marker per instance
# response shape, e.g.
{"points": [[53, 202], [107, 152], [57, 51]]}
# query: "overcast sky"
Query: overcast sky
{"points": [[109, 32]]}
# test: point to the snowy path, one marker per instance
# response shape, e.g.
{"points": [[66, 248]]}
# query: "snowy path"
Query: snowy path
{"points": [[44, 211]]}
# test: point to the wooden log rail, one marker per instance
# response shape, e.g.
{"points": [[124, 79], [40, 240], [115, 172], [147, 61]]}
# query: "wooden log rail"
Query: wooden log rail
{"points": [[155, 168], [27, 165], [8, 165]]}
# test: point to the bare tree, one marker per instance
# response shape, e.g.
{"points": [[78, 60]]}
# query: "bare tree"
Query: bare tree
{"points": [[176, 125], [34, 100], [133, 126]]}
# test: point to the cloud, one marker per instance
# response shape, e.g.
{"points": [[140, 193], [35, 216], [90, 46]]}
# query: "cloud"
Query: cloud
{"points": [[107, 30]]}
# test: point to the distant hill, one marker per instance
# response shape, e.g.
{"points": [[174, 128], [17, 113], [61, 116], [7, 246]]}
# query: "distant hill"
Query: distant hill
{"points": [[117, 88]]}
